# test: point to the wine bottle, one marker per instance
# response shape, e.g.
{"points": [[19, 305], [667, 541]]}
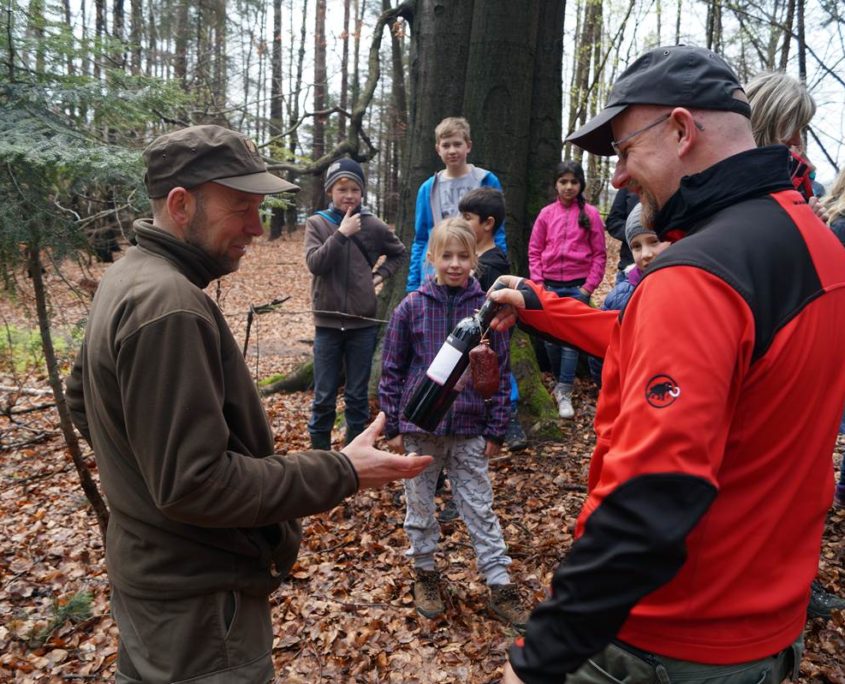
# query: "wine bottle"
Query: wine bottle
{"points": [[442, 382]]}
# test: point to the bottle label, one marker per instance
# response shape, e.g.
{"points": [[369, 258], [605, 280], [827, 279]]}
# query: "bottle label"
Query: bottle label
{"points": [[444, 363]]}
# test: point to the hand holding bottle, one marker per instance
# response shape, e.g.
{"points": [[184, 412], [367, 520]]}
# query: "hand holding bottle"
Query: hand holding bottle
{"points": [[505, 293]]}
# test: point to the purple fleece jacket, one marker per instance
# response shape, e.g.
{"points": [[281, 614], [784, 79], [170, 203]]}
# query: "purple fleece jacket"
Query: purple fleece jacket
{"points": [[418, 327]]}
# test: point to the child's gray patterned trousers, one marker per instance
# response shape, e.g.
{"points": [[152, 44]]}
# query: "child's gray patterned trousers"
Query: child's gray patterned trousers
{"points": [[467, 467]]}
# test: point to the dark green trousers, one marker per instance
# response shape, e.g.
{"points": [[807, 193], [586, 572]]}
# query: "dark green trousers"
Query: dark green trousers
{"points": [[620, 663], [222, 638]]}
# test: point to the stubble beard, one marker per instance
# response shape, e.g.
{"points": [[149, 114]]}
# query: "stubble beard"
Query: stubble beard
{"points": [[196, 236], [650, 209]]}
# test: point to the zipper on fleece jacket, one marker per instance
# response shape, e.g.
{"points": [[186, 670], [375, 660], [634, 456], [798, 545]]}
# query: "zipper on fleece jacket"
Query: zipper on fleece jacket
{"points": [[450, 304], [345, 290]]}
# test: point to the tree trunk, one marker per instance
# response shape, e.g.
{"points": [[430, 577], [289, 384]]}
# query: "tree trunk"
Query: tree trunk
{"points": [[318, 142], [344, 74], [65, 423], [544, 148], [802, 45], [180, 64], [99, 35], [219, 79], [118, 22], [787, 34], [293, 141], [277, 219], [398, 120], [136, 35], [498, 101]]}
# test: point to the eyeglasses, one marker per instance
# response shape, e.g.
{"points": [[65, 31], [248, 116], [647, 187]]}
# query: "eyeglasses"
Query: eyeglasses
{"points": [[615, 144]]}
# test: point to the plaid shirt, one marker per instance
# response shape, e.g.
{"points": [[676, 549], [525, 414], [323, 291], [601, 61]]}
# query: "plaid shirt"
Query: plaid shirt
{"points": [[418, 328]]}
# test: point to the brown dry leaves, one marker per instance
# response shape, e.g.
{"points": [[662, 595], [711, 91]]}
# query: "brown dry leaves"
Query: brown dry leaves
{"points": [[346, 613]]}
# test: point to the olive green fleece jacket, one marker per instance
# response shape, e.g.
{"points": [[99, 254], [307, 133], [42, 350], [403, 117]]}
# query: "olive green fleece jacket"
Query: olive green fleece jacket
{"points": [[199, 502]]}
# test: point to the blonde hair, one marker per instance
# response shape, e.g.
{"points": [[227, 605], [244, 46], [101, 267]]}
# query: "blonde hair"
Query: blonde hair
{"points": [[454, 228], [834, 201], [452, 125], [781, 106]]}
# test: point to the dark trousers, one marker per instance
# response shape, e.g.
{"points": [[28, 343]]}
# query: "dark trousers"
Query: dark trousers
{"points": [[619, 663], [335, 349], [221, 638], [563, 359]]}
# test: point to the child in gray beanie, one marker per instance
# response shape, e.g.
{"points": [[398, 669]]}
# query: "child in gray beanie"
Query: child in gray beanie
{"points": [[645, 246]]}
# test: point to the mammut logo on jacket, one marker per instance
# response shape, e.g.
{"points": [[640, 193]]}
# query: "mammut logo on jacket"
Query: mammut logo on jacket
{"points": [[661, 391]]}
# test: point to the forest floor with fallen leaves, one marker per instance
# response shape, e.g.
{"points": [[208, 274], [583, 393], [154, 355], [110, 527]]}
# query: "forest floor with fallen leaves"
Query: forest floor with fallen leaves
{"points": [[346, 613]]}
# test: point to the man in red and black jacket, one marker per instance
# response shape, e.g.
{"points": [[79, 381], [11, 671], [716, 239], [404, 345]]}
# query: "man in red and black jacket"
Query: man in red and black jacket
{"points": [[721, 401]]}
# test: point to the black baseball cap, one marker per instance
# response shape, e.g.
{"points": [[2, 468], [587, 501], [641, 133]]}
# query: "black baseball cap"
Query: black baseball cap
{"points": [[675, 76], [199, 154]]}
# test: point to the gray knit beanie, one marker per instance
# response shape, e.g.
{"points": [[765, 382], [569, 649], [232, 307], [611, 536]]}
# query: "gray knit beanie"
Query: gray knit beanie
{"points": [[633, 227], [345, 168]]}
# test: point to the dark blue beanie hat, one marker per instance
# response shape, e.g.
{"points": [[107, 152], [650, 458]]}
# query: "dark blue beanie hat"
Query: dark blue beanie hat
{"points": [[345, 168]]}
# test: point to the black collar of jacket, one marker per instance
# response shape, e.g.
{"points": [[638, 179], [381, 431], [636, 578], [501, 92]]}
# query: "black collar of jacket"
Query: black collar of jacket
{"points": [[752, 173], [195, 264]]}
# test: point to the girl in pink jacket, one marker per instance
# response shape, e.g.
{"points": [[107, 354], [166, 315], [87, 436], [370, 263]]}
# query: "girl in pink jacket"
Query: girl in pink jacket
{"points": [[566, 253]]}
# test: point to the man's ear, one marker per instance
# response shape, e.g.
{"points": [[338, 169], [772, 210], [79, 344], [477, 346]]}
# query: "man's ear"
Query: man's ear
{"points": [[181, 207], [489, 224], [685, 128]]}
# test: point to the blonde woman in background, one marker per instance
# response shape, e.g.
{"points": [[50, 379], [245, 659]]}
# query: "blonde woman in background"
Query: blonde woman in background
{"points": [[834, 204], [781, 110]]}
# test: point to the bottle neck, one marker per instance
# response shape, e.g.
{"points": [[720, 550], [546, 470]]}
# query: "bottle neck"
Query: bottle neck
{"points": [[486, 314]]}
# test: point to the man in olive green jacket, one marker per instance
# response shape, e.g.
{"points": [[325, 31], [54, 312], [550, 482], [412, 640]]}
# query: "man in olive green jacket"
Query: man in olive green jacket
{"points": [[203, 514]]}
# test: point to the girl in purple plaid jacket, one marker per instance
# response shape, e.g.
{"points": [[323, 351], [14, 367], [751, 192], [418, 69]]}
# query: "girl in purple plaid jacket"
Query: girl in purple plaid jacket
{"points": [[471, 432]]}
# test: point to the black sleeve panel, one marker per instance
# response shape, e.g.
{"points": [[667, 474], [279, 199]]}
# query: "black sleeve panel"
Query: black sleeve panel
{"points": [[633, 543]]}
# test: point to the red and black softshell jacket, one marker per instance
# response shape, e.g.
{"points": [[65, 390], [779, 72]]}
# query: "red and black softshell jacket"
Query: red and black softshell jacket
{"points": [[723, 387]]}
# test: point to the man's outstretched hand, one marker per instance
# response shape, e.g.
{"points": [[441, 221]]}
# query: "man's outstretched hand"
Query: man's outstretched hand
{"points": [[375, 467], [510, 299]]}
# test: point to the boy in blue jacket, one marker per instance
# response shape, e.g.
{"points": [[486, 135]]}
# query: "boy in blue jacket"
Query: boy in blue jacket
{"points": [[439, 196]]}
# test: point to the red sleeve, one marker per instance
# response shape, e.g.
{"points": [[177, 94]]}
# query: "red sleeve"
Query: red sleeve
{"points": [[687, 341], [565, 319]]}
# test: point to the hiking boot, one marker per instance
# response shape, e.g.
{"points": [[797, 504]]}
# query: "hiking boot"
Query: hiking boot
{"points": [[427, 593], [839, 495], [440, 487], [321, 440], [563, 396], [449, 512], [515, 439], [823, 601], [506, 604]]}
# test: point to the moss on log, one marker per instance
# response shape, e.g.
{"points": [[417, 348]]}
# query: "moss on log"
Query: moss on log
{"points": [[537, 410], [299, 380]]}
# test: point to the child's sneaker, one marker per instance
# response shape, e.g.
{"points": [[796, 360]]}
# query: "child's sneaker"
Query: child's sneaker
{"points": [[506, 604], [563, 396], [515, 439], [427, 593]]}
